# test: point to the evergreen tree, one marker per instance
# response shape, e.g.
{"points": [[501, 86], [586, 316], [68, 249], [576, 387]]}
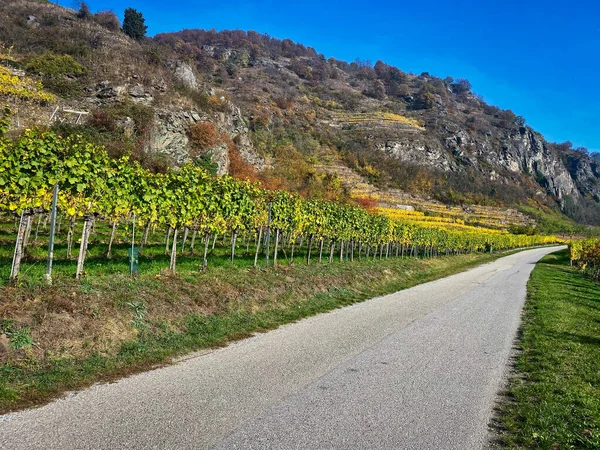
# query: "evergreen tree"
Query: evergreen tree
{"points": [[133, 24]]}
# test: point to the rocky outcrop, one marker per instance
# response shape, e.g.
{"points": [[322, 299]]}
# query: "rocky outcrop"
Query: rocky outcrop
{"points": [[518, 152], [413, 150], [170, 136], [171, 125], [234, 125], [528, 153], [184, 73], [105, 92], [586, 173]]}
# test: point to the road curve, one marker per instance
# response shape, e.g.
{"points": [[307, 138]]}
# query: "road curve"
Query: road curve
{"points": [[418, 369]]}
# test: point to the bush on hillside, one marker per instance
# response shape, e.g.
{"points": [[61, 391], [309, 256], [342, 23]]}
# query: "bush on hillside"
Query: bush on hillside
{"points": [[424, 99], [50, 64], [108, 20], [203, 135], [461, 86]]}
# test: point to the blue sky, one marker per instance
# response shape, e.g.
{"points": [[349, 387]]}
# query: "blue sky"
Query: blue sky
{"points": [[539, 58]]}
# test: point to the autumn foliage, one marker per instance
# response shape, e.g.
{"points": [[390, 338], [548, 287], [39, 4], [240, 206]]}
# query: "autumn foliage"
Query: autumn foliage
{"points": [[203, 135], [367, 203]]}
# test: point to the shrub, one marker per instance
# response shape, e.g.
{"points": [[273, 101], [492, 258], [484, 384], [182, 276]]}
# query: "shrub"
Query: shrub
{"points": [[202, 100], [507, 119], [376, 89], [142, 115], [19, 337], [238, 168], [50, 64], [154, 55], [108, 20], [5, 121], [203, 135], [102, 121], [301, 68], [156, 162], [366, 202], [285, 101], [58, 73], [205, 162], [461, 86], [64, 87], [424, 100], [24, 88]]}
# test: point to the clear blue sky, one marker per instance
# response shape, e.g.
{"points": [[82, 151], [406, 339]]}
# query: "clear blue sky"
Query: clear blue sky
{"points": [[539, 58]]}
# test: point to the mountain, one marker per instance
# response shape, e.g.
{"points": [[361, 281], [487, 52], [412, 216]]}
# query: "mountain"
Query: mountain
{"points": [[280, 112]]}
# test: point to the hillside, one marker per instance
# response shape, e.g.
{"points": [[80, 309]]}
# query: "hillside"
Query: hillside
{"points": [[273, 110]]}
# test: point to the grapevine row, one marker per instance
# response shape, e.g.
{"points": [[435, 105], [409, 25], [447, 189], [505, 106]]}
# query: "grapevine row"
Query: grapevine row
{"points": [[93, 186]]}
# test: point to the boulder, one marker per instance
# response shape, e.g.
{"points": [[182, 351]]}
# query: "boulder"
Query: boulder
{"points": [[137, 91], [185, 75], [104, 90]]}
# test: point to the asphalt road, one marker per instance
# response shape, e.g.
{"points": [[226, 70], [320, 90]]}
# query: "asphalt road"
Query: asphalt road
{"points": [[418, 369]]}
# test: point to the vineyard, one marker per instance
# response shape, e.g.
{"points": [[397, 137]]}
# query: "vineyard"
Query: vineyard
{"points": [[585, 253], [381, 119], [396, 202], [189, 206]]}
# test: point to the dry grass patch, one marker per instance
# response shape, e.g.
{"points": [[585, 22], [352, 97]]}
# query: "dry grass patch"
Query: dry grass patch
{"points": [[108, 326]]}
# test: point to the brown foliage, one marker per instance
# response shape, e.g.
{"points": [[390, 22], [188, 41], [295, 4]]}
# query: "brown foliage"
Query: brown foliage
{"points": [[238, 168], [376, 89], [301, 68], [108, 20], [102, 121], [203, 135], [367, 203], [285, 101]]}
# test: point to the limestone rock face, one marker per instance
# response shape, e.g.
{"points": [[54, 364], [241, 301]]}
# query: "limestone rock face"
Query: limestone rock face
{"points": [[415, 151], [137, 91], [528, 153], [185, 75], [170, 133], [170, 136], [234, 125], [586, 173], [105, 90], [522, 152], [220, 156]]}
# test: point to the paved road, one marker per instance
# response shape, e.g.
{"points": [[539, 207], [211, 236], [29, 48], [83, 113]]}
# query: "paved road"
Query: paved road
{"points": [[418, 369]]}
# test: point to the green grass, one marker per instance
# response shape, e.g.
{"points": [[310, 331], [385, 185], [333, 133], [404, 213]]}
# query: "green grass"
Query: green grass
{"points": [[554, 395], [152, 261]]}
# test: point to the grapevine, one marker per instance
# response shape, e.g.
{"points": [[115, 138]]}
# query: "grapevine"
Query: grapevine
{"points": [[94, 187]]}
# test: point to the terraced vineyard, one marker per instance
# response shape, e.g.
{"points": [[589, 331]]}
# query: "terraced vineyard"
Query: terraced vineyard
{"points": [[393, 199], [378, 119]]}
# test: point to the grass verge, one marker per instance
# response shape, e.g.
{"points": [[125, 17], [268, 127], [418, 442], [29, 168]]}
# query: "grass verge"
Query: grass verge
{"points": [[553, 397], [105, 327]]}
